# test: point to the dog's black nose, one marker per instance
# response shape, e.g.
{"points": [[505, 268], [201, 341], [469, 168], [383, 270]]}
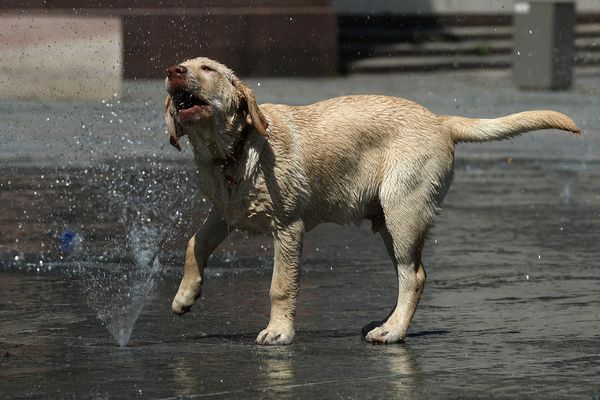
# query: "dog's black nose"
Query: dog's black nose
{"points": [[176, 72]]}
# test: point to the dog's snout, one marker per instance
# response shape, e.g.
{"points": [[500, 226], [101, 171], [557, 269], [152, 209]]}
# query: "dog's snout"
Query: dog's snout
{"points": [[176, 72]]}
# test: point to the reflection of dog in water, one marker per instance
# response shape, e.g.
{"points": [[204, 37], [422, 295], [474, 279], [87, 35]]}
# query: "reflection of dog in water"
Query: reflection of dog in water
{"points": [[286, 169]]}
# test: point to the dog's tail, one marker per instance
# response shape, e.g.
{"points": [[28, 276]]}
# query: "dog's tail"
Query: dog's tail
{"points": [[485, 130]]}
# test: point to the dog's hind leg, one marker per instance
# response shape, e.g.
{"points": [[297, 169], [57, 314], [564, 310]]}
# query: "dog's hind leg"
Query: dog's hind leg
{"points": [[201, 245], [406, 224]]}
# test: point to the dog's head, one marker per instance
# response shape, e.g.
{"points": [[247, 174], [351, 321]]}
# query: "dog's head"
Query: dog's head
{"points": [[206, 98]]}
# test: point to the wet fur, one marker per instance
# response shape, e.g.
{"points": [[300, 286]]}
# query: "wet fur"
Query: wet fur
{"points": [[342, 160]]}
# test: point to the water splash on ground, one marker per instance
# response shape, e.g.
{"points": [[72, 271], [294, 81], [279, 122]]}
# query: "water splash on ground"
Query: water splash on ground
{"points": [[147, 200], [120, 319]]}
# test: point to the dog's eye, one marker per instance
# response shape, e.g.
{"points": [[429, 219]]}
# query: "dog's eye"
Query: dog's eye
{"points": [[207, 68]]}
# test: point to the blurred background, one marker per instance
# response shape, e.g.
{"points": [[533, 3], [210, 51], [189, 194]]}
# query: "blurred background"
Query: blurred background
{"points": [[136, 39]]}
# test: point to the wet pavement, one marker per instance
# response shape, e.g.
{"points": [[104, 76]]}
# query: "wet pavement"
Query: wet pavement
{"points": [[511, 308]]}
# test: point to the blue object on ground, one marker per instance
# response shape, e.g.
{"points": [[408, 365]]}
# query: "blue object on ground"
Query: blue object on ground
{"points": [[65, 240]]}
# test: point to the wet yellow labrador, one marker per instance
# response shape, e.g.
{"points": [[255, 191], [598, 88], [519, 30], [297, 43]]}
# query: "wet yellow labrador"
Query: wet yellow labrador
{"points": [[283, 170]]}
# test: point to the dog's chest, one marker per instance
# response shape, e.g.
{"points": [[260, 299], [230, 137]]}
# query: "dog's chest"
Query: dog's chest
{"points": [[244, 204]]}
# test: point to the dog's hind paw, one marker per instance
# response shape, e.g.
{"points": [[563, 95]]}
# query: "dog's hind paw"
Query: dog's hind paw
{"points": [[383, 334], [178, 308], [275, 337]]}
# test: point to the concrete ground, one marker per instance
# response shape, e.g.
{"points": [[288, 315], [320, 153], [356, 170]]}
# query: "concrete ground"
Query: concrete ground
{"points": [[510, 309]]}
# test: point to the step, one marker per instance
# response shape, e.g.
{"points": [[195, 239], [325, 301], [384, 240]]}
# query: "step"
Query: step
{"points": [[386, 34], [400, 64], [469, 47], [475, 47], [480, 32], [581, 30], [587, 30], [389, 35], [392, 64], [383, 34], [587, 58]]}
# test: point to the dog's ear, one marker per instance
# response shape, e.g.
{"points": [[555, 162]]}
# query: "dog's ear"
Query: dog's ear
{"points": [[171, 127], [257, 118]]}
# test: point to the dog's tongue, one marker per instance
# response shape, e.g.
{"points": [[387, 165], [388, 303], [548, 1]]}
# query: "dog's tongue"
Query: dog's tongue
{"points": [[189, 112]]}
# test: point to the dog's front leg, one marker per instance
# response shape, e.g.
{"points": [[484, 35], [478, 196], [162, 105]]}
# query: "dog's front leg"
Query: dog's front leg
{"points": [[201, 245], [284, 285]]}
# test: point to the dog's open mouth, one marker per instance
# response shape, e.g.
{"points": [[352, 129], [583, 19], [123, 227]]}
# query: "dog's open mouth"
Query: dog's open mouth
{"points": [[188, 105]]}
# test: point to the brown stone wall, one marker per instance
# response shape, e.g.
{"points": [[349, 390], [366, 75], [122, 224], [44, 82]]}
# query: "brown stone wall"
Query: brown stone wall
{"points": [[251, 44]]}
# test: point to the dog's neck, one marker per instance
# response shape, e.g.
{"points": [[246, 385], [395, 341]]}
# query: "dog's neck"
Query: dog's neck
{"points": [[215, 138], [232, 162], [233, 156]]}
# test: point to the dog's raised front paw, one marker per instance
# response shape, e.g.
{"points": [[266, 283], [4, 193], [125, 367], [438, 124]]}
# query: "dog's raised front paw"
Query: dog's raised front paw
{"points": [[383, 334], [185, 298], [275, 336]]}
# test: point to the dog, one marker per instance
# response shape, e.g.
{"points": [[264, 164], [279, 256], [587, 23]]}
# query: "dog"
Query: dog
{"points": [[284, 169]]}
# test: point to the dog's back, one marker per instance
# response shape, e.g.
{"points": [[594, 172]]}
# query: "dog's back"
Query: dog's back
{"points": [[349, 145]]}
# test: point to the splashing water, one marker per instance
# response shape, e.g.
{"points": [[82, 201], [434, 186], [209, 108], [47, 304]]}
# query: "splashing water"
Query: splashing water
{"points": [[108, 209], [121, 316], [147, 199], [120, 320]]}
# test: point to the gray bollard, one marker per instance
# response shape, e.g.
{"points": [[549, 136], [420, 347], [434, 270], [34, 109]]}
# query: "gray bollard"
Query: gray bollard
{"points": [[544, 35]]}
